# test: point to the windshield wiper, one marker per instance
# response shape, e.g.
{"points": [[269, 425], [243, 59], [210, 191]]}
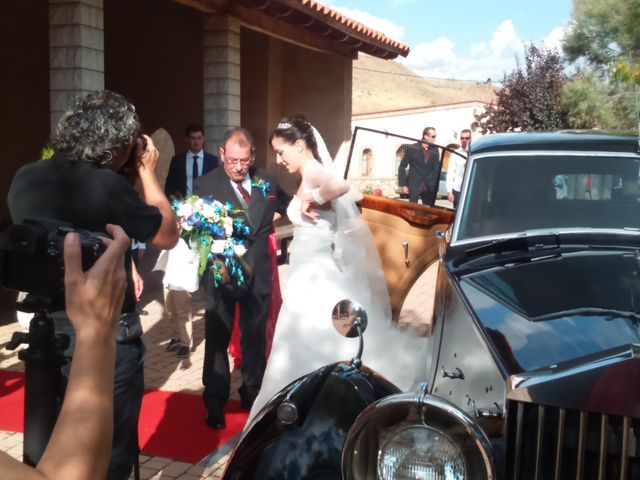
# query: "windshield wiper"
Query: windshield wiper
{"points": [[521, 243], [608, 314]]}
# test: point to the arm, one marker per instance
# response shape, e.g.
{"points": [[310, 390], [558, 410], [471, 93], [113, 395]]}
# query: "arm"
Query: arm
{"points": [[167, 235], [325, 187], [402, 169], [93, 301]]}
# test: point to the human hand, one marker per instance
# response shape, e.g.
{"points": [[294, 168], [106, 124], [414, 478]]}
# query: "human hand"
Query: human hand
{"points": [[94, 298], [405, 189], [309, 207], [138, 282], [148, 157], [450, 197]]}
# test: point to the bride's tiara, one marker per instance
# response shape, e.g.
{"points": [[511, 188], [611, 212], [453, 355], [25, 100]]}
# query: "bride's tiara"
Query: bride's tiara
{"points": [[284, 125]]}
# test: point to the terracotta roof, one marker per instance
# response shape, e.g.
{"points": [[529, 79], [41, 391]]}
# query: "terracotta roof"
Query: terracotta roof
{"points": [[326, 22], [356, 26]]}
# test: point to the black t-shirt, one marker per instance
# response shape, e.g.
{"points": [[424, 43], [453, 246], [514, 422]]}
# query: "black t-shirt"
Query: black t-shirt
{"points": [[83, 194]]}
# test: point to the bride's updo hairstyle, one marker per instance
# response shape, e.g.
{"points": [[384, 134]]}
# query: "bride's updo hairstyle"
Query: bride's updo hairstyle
{"points": [[297, 128]]}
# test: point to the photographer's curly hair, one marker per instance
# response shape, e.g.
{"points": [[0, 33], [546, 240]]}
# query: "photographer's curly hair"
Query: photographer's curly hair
{"points": [[297, 128], [95, 125]]}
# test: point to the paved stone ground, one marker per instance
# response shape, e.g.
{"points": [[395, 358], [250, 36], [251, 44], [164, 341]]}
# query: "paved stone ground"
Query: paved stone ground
{"points": [[164, 371]]}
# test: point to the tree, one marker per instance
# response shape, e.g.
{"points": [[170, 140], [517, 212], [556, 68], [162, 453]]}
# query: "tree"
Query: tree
{"points": [[595, 103], [604, 40], [606, 35], [531, 96]]}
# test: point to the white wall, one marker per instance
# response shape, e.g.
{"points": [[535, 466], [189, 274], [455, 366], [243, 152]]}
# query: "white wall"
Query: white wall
{"points": [[447, 120]]}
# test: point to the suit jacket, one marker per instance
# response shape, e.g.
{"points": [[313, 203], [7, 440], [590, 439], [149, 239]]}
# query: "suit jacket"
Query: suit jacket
{"points": [[260, 213], [176, 183], [420, 173]]}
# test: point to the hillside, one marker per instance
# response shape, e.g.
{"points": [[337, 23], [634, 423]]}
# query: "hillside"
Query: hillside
{"points": [[380, 85]]}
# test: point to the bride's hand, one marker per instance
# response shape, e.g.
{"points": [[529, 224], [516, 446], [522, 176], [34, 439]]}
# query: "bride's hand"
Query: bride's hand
{"points": [[309, 207]]}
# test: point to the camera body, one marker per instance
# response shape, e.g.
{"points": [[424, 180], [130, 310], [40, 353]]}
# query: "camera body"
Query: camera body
{"points": [[130, 169], [31, 257]]}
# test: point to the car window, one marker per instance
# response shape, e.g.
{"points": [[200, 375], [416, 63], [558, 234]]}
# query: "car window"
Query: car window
{"points": [[374, 161], [509, 194]]}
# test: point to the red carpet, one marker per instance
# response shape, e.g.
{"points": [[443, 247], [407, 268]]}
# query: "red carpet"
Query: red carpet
{"points": [[171, 423]]}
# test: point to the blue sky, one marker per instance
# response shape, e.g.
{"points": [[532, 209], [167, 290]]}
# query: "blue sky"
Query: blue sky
{"points": [[462, 39]]}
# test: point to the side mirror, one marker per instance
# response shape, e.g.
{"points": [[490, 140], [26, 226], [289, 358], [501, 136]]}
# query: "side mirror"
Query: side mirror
{"points": [[350, 320], [348, 317]]}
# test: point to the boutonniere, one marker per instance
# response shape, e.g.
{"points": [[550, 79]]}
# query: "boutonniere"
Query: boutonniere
{"points": [[261, 185]]}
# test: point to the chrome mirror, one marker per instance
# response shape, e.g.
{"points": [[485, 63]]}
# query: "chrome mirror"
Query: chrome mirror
{"points": [[347, 317]]}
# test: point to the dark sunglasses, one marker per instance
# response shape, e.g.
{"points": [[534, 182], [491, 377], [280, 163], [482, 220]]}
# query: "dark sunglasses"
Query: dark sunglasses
{"points": [[465, 138]]}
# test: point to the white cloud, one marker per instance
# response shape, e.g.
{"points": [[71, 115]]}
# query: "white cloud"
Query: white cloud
{"points": [[389, 28], [491, 59], [555, 38]]}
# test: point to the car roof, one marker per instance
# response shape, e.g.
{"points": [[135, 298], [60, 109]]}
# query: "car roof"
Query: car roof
{"points": [[561, 141]]}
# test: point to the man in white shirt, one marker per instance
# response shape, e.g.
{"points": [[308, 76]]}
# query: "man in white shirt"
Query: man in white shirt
{"points": [[187, 166], [184, 169], [457, 165]]}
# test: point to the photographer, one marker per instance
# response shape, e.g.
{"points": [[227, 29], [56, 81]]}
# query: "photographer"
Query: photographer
{"points": [[93, 302], [87, 183]]}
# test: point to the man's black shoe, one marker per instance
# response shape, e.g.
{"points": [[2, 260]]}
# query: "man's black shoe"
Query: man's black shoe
{"points": [[215, 419], [248, 395], [183, 351], [174, 344]]}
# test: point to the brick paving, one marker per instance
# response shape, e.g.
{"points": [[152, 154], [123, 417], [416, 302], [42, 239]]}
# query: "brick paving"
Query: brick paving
{"points": [[164, 371]]}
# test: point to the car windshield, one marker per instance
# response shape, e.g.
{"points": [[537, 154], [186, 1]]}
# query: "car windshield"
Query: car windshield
{"points": [[509, 194]]}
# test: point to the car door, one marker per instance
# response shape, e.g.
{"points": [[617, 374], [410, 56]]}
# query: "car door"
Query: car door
{"points": [[405, 233]]}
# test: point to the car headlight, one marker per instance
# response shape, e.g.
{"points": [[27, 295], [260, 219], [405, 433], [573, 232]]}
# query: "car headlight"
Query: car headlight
{"points": [[420, 452], [407, 437]]}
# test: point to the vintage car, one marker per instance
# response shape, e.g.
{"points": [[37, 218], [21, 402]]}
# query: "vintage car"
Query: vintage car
{"points": [[533, 347]]}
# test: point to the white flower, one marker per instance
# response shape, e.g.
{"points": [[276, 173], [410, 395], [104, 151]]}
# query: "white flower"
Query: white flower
{"points": [[186, 227], [218, 246], [185, 210], [208, 212], [239, 250]]}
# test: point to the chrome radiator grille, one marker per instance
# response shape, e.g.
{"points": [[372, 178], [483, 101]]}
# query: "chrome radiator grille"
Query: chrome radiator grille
{"points": [[554, 443]]}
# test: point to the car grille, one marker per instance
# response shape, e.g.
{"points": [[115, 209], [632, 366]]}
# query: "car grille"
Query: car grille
{"points": [[546, 442]]}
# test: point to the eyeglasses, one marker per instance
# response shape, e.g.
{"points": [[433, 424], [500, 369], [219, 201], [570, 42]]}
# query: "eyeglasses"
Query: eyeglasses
{"points": [[236, 161], [465, 138]]}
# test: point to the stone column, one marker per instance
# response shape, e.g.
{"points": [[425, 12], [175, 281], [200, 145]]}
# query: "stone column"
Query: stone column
{"points": [[221, 39], [76, 51]]}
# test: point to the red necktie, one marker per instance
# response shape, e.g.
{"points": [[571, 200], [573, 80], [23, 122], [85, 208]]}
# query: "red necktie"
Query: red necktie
{"points": [[244, 193]]}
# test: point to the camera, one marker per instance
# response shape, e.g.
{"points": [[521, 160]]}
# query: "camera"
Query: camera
{"points": [[31, 258], [130, 169]]}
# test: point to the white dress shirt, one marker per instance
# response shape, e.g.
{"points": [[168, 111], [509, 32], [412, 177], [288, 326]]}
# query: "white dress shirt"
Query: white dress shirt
{"points": [[455, 173]]}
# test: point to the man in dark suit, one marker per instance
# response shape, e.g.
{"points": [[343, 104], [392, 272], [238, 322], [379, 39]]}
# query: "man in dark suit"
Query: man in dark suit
{"points": [[187, 166], [423, 163], [257, 193]]}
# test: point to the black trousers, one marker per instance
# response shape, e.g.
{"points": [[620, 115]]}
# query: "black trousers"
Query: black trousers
{"points": [[456, 198], [427, 196], [127, 401], [218, 326]]}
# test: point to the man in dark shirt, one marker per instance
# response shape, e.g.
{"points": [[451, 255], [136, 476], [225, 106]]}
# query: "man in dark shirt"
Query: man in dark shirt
{"points": [[97, 137], [418, 170]]}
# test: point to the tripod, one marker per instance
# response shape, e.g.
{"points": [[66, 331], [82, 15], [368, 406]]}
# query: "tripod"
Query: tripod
{"points": [[43, 359]]}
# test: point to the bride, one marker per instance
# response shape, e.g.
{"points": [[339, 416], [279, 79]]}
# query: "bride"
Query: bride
{"points": [[332, 257]]}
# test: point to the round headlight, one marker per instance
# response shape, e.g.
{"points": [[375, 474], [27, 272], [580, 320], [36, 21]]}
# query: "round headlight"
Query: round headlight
{"points": [[420, 452], [405, 437]]}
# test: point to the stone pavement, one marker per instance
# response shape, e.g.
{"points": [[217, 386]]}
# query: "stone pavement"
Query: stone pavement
{"points": [[164, 371]]}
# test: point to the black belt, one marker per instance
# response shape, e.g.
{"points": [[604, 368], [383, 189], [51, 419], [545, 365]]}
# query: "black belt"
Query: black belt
{"points": [[129, 328]]}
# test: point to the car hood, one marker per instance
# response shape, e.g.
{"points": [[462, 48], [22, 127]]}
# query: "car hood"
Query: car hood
{"points": [[556, 310], [604, 385]]}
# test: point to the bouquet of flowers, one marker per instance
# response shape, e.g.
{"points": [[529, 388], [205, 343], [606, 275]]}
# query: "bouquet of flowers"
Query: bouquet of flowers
{"points": [[219, 234]]}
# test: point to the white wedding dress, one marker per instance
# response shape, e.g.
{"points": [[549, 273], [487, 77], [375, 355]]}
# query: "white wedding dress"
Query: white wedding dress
{"points": [[332, 260]]}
